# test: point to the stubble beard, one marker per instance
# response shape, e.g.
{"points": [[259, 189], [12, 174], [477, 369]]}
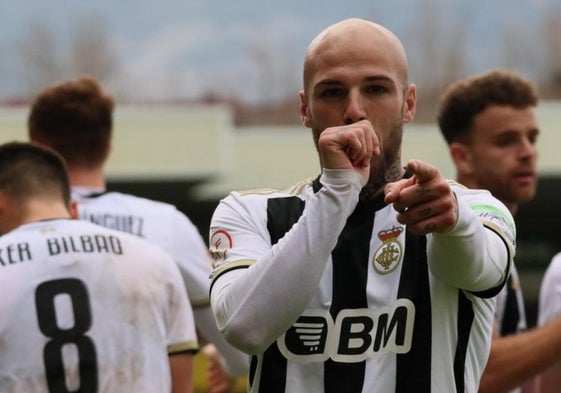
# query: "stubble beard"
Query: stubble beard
{"points": [[387, 168]]}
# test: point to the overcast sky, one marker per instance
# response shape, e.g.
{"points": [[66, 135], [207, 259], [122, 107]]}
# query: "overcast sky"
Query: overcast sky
{"points": [[188, 47]]}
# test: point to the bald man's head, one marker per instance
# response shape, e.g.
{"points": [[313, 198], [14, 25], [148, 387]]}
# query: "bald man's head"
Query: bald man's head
{"points": [[356, 37]]}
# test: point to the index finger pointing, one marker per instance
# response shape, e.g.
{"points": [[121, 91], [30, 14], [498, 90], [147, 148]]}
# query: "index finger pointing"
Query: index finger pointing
{"points": [[423, 171], [392, 190]]}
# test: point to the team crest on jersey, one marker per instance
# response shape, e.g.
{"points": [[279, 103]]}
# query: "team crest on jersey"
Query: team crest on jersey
{"points": [[388, 255], [220, 242]]}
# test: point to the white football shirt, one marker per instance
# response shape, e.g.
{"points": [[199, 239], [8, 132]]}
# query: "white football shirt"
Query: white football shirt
{"points": [[164, 225], [88, 309]]}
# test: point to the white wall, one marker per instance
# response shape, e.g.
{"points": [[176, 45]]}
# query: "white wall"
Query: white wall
{"points": [[200, 141]]}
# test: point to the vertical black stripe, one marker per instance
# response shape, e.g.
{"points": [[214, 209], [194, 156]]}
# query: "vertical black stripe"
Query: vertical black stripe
{"points": [[465, 321], [413, 374], [511, 314], [273, 371], [350, 275], [282, 213], [252, 370]]}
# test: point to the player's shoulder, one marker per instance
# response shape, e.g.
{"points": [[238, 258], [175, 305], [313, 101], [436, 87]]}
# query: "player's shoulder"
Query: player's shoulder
{"points": [[267, 193], [129, 202], [551, 279], [251, 201], [489, 209], [83, 227], [478, 196], [461, 189], [136, 199], [555, 264], [87, 228], [64, 227]]}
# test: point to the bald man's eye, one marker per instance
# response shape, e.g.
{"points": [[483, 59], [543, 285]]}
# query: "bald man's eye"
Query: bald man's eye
{"points": [[376, 89], [333, 92]]}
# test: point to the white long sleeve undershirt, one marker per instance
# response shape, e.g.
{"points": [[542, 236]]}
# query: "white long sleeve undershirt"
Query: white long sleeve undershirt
{"points": [[468, 257]]}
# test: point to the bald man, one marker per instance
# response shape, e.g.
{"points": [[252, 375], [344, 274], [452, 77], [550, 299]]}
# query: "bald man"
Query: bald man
{"points": [[374, 277]]}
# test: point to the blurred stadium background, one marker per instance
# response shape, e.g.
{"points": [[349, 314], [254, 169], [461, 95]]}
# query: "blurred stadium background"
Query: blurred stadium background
{"points": [[183, 52], [193, 155]]}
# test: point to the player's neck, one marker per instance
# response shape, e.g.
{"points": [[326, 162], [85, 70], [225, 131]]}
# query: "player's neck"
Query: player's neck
{"points": [[466, 181], [90, 178], [512, 207], [34, 211], [471, 183]]}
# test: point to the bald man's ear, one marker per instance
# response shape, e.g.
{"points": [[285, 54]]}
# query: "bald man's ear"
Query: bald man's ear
{"points": [[304, 115], [410, 104], [462, 157]]}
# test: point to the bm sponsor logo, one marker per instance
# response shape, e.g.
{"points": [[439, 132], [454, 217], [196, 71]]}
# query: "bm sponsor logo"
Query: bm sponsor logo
{"points": [[354, 336]]}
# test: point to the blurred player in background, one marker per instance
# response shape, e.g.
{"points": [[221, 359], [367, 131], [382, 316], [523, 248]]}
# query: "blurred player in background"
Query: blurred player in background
{"points": [[75, 118], [490, 125], [549, 311], [83, 308]]}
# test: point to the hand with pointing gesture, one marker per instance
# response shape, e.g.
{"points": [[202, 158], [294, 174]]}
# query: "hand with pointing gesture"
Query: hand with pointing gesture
{"points": [[424, 202]]}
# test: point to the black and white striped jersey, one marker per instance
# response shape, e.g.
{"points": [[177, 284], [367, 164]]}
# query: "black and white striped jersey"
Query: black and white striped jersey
{"points": [[330, 295]]}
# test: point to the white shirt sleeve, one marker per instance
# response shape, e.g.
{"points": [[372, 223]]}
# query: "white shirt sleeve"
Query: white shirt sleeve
{"points": [[242, 299], [476, 253]]}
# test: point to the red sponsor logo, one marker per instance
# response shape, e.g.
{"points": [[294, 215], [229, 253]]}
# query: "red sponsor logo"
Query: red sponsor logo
{"points": [[220, 243]]}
